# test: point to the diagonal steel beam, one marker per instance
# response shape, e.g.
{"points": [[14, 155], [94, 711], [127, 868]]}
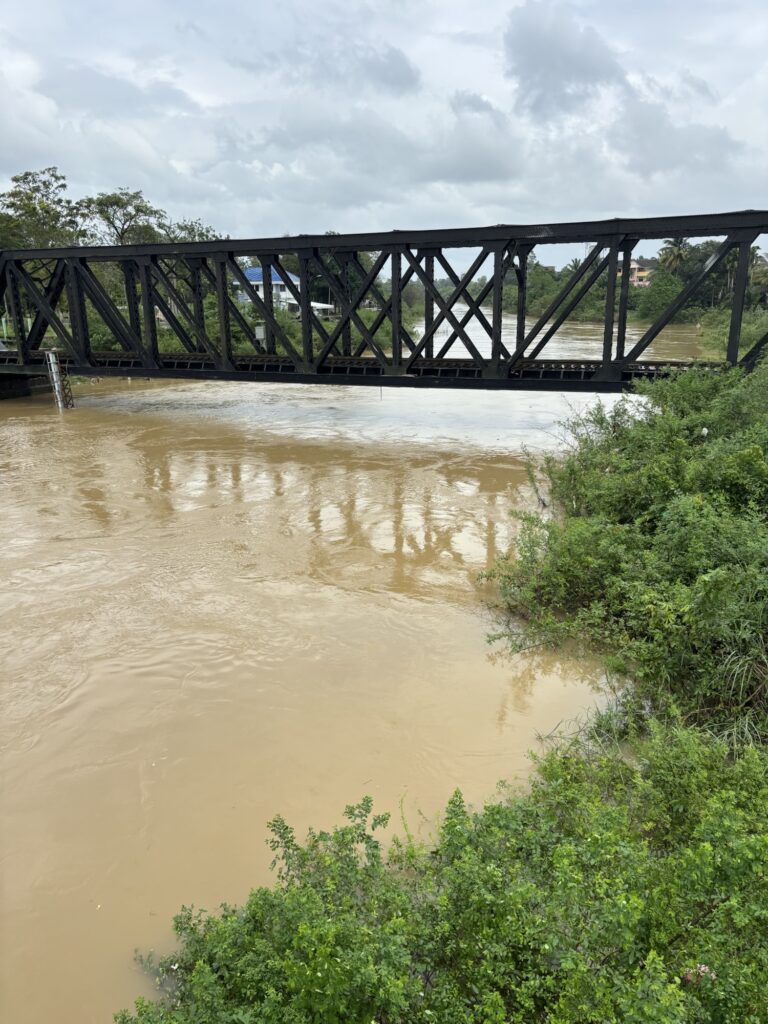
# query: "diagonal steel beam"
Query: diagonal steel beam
{"points": [[45, 308], [204, 343], [234, 310], [308, 317], [494, 327], [349, 311], [749, 361], [561, 296], [679, 301], [445, 307], [385, 303], [568, 308], [108, 311], [482, 295], [431, 290], [53, 291], [465, 296], [265, 308]]}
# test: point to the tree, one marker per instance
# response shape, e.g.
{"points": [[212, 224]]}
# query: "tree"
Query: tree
{"points": [[123, 218], [38, 214], [672, 254], [657, 296], [189, 231], [11, 234]]}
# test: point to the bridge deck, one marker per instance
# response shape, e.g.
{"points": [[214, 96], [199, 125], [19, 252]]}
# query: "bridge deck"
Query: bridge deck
{"points": [[553, 375]]}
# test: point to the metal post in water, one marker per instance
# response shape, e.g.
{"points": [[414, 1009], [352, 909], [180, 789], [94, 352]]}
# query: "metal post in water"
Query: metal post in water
{"points": [[59, 382]]}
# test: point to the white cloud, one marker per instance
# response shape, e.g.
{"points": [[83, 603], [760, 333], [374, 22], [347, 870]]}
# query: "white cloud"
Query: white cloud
{"points": [[263, 119]]}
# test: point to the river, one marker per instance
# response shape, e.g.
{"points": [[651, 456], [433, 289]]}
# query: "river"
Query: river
{"points": [[224, 601]]}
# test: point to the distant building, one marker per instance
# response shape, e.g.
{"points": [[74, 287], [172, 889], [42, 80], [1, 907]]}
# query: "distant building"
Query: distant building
{"points": [[641, 271], [282, 296]]}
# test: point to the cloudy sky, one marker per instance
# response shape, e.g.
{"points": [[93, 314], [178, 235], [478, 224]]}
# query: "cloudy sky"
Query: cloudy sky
{"points": [[295, 116]]}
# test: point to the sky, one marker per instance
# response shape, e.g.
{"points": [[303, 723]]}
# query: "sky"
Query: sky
{"points": [[266, 118]]}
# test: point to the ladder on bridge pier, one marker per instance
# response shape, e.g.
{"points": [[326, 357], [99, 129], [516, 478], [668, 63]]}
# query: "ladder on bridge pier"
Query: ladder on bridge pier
{"points": [[62, 389]]}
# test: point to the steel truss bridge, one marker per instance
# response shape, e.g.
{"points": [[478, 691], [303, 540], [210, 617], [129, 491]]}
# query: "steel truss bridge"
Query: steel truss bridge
{"points": [[190, 311]]}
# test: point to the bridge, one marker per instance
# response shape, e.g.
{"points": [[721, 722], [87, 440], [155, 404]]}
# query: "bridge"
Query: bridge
{"points": [[194, 311]]}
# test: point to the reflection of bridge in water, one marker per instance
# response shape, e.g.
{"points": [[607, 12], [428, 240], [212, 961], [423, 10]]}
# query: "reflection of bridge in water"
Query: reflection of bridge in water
{"points": [[217, 325], [341, 515], [406, 523]]}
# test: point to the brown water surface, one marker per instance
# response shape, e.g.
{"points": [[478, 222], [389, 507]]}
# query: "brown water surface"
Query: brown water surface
{"points": [[224, 601]]}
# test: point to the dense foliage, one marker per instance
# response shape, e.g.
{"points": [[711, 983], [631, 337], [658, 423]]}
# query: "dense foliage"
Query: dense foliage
{"points": [[659, 551], [611, 891]]}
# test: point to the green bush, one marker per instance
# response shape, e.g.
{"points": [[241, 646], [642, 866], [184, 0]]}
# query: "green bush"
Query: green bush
{"points": [[611, 891], [658, 553]]}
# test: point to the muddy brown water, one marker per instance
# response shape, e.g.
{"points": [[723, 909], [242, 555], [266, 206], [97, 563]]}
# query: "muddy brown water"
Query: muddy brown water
{"points": [[224, 601]]}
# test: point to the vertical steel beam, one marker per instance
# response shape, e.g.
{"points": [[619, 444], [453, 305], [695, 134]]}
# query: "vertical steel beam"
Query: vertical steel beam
{"points": [[222, 303], [497, 314], [267, 298], [737, 306], [522, 296], [198, 306], [621, 326], [396, 310], [346, 276], [16, 312], [78, 316], [132, 296], [610, 303], [149, 318], [429, 305], [305, 305]]}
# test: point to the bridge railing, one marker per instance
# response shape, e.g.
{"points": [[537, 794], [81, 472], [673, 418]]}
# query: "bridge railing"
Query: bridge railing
{"points": [[385, 307]]}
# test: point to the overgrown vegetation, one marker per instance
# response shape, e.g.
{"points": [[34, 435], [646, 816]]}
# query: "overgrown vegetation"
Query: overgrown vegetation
{"points": [[611, 891], [628, 882], [659, 552]]}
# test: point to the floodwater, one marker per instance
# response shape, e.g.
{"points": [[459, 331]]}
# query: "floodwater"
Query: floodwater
{"points": [[224, 601]]}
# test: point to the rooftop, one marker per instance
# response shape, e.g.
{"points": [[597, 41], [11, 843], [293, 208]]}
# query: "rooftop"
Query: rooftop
{"points": [[256, 276]]}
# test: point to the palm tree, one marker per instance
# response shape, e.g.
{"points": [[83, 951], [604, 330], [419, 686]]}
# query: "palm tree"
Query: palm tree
{"points": [[673, 254], [574, 265]]}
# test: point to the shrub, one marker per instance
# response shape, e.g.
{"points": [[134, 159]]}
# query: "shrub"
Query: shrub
{"points": [[611, 891], [658, 554]]}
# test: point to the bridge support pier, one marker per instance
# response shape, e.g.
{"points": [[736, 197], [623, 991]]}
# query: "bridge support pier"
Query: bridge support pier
{"points": [[13, 385]]}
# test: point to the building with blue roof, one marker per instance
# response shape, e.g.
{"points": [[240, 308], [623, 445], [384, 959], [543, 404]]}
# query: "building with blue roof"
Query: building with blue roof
{"points": [[282, 297]]}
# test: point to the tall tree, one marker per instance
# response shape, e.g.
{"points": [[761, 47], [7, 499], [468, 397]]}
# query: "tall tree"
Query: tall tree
{"points": [[672, 254], [189, 231], [123, 218], [38, 213]]}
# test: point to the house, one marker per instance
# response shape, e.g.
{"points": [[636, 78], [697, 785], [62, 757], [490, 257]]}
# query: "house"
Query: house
{"points": [[641, 271], [282, 296]]}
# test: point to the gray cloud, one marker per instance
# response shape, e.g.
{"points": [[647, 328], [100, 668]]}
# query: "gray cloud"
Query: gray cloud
{"points": [[385, 114], [651, 143], [556, 62], [86, 90]]}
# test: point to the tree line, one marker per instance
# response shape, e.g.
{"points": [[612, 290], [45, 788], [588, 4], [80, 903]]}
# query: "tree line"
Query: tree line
{"points": [[37, 213]]}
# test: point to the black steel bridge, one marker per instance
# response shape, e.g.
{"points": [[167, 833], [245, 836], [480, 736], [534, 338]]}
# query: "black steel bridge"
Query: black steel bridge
{"points": [[192, 311]]}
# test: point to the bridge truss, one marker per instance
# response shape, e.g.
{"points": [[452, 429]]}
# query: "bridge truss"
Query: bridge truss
{"points": [[190, 310]]}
